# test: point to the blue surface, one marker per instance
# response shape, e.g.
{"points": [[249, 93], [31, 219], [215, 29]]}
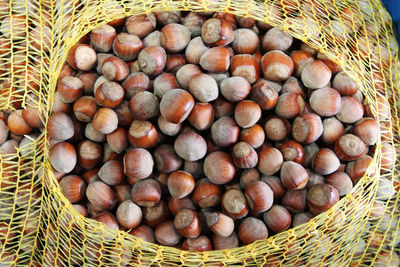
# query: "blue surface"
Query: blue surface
{"points": [[393, 6]]}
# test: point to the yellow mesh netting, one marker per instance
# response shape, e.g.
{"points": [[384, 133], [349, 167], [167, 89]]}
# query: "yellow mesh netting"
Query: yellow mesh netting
{"points": [[38, 226]]}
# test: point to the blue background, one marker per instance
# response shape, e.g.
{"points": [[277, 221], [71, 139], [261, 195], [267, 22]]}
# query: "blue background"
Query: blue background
{"points": [[393, 6]]}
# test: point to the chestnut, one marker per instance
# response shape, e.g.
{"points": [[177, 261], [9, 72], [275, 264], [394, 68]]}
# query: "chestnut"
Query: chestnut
{"points": [[82, 57], [259, 196], [105, 121], [73, 188], [112, 172], [127, 46], [225, 131], [129, 215], [253, 135], [276, 65], [174, 37], [138, 163], [246, 66], [203, 87], [293, 175], [166, 234], [152, 60], [341, 181], [101, 195], [234, 204], [276, 128], [201, 243], [235, 88], [176, 105], [141, 25], [177, 204], [325, 101], [333, 129], [217, 32], [350, 147], [206, 194], [278, 218], [252, 229], [109, 94], [59, 126], [295, 200], [219, 168], [166, 160], [351, 110], [180, 184], [144, 105], [244, 156], [270, 160], [63, 157], [202, 116], [215, 59], [321, 197], [187, 223], [367, 129], [156, 214], [89, 154], [190, 146], [85, 108], [325, 162], [220, 223], [146, 192], [245, 41], [316, 75], [276, 39]]}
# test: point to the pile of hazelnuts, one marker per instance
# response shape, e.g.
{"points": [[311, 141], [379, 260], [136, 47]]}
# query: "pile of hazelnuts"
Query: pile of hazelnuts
{"points": [[203, 130]]}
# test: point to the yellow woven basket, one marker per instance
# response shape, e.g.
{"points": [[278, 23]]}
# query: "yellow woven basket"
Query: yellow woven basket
{"points": [[38, 226]]}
